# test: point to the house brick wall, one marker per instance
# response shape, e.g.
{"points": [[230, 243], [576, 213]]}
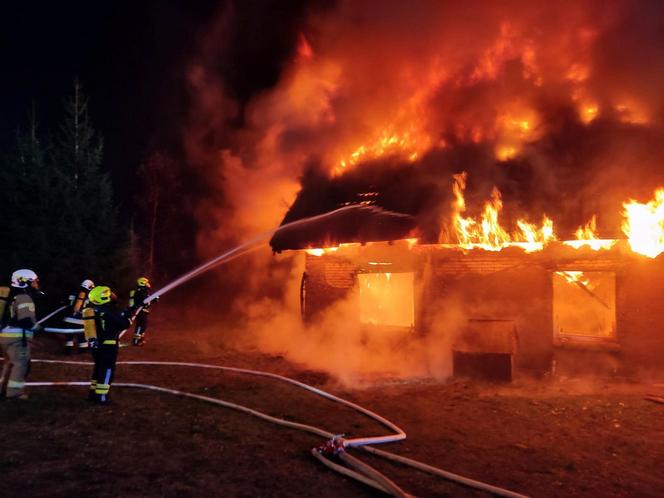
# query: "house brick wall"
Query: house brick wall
{"points": [[329, 278], [511, 285]]}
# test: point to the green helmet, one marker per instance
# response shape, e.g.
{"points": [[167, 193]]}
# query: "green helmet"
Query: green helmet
{"points": [[100, 295], [143, 282]]}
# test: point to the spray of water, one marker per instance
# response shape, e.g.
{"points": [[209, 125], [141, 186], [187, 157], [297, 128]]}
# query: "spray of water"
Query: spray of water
{"points": [[256, 241]]}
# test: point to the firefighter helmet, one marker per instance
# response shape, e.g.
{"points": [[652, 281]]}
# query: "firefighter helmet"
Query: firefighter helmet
{"points": [[87, 284], [100, 295], [23, 278], [143, 282]]}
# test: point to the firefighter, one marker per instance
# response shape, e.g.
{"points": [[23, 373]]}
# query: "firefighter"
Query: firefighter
{"points": [[76, 303], [136, 299], [19, 323], [107, 323]]}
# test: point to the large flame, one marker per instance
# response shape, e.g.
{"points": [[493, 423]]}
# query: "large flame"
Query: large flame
{"points": [[644, 225], [380, 97], [487, 232]]}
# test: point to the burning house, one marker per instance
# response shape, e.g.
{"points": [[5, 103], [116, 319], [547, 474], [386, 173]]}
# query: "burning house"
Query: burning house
{"points": [[530, 302], [480, 160]]}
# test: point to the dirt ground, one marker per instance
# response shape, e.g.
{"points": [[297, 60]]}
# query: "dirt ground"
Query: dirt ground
{"points": [[545, 438]]}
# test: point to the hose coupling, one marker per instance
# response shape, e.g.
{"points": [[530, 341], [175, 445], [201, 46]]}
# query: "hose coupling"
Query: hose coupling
{"points": [[333, 446]]}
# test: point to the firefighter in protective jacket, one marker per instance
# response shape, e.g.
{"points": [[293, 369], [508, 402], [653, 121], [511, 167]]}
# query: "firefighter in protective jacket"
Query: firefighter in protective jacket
{"points": [[136, 298], [103, 324], [75, 317], [19, 323]]}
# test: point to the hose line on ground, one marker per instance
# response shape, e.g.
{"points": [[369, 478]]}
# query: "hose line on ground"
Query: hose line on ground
{"points": [[379, 481]]}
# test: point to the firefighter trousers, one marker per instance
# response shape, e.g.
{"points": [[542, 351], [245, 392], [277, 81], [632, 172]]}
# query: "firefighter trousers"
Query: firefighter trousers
{"points": [[104, 370], [76, 339], [16, 352], [141, 325]]}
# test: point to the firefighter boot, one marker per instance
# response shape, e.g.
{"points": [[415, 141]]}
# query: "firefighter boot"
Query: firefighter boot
{"points": [[69, 347]]}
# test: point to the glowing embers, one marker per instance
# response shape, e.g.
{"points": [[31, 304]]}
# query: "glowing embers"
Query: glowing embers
{"points": [[515, 127], [587, 236], [644, 225], [320, 251], [574, 277], [486, 232], [588, 112], [353, 246], [584, 306], [632, 112], [387, 299]]}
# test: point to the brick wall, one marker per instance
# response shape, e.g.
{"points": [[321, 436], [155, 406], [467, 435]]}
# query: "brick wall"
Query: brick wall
{"points": [[329, 278], [511, 285]]}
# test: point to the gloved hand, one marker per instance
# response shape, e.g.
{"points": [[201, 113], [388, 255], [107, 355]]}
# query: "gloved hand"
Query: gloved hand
{"points": [[38, 327], [93, 343]]}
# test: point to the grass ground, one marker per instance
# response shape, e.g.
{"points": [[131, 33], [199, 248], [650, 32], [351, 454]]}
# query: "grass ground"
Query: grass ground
{"points": [[542, 439]]}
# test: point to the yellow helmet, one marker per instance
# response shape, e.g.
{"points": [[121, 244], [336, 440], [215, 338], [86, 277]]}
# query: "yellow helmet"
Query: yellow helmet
{"points": [[143, 282], [100, 295]]}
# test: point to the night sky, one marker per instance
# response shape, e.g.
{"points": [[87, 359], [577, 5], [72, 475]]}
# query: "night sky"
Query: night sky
{"points": [[130, 58], [133, 60]]}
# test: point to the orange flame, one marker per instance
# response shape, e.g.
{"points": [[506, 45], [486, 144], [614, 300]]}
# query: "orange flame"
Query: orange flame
{"points": [[574, 277], [514, 129], [587, 236], [632, 112], [320, 251], [411, 242], [588, 111], [644, 225], [407, 145], [487, 233]]}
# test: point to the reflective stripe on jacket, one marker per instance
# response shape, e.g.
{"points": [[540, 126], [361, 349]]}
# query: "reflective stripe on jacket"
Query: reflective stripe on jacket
{"points": [[16, 332]]}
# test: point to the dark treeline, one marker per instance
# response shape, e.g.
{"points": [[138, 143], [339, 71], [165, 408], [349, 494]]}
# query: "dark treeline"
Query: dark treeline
{"points": [[58, 215]]}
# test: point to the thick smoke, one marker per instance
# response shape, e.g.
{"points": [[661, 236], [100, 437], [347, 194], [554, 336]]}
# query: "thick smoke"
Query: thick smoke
{"points": [[559, 104]]}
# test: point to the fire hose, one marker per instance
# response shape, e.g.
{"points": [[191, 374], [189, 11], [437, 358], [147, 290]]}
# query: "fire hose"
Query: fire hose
{"points": [[57, 330], [52, 314], [335, 446]]}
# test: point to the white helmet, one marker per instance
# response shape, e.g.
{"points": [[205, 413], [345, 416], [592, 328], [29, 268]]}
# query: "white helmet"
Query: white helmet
{"points": [[23, 278], [87, 284]]}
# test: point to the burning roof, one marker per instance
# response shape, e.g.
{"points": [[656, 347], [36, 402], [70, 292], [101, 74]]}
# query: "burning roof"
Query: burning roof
{"points": [[553, 111]]}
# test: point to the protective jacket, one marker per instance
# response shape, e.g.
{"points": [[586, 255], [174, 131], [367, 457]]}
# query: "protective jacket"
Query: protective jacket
{"points": [[109, 323], [136, 299], [15, 339], [22, 318]]}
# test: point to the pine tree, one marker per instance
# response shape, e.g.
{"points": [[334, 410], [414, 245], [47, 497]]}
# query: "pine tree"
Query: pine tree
{"points": [[28, 203], [57, 215], [90, 241]]}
